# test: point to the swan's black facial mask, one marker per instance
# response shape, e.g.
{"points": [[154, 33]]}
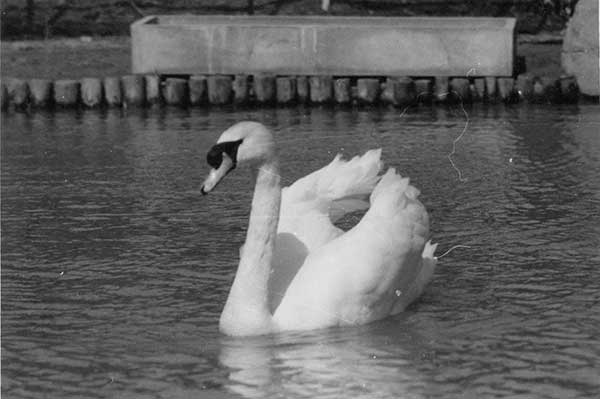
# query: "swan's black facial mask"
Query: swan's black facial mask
{"points": [[215, 155], [222, 158]]}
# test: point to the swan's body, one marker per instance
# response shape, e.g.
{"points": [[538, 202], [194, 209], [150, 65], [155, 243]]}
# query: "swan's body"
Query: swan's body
{"points": [[297, 270]]}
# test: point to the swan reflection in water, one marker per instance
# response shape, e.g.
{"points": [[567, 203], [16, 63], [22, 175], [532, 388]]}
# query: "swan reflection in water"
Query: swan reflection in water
{"points": [[341, 362]]}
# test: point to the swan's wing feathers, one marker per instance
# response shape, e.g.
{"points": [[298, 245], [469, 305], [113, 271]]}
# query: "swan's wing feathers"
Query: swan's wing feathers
{"points": [[347, 184], [394, 199], [395, 188], [352, 178], [311, 204], [375, 269], [339, 179]]}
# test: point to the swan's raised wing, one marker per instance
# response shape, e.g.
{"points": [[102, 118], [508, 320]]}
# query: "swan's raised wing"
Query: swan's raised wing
{"points": [[311, 205], [370, 272]]}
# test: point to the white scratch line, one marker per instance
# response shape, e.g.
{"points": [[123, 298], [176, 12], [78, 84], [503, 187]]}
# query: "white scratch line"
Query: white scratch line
{"points": [[452, 249], [456, 140]]}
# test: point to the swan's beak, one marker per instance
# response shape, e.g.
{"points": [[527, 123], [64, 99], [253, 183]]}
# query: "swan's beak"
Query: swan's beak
{"points": [[216, 175]]}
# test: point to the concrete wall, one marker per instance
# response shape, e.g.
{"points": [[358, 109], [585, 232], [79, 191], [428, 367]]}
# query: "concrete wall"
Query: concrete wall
{"points": [[580, 55], [352, 46]]}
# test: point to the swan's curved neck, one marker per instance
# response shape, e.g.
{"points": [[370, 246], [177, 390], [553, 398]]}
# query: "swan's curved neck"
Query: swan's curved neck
{"points": [[247, 309]]}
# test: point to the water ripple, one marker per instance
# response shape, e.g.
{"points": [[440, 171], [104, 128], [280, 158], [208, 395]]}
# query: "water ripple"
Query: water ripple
{"points": [[115, 270]]}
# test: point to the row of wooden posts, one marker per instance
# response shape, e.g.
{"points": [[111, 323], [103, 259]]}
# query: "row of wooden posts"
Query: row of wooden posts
{"points": [[147, 90]]}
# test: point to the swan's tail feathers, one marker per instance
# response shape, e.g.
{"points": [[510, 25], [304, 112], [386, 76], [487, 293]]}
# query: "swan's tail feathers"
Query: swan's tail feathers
{"points": [[429, 250], [429, 261]]}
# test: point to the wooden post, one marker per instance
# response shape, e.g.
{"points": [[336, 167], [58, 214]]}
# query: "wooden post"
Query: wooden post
{"points": [[302, 89], [321, 89], [91, 92], [3, 97], [112, 91], [405, 91], [441, 88], [342, 90], [538, 93], [66, 92], [473, 95], [506, 90], [387, 94], [490, 88], [40, 92], [401, 90], [424, 90], [152, 89], [198, 89], [175, 91], [524, 86], [219, 89], [460, 90], [264, 88], [569, 89], [134, 90], [18, 92], [552, 92], [286, 89], [478, 89], [368, 90], [520, 64], [241, 89]]}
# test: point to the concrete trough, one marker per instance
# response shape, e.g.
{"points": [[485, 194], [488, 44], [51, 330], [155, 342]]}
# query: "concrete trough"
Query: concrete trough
{"points": [[318, 45]]}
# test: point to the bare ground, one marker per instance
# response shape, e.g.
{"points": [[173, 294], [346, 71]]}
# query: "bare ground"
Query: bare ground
{"points": [[66, 58], [110, 56]]}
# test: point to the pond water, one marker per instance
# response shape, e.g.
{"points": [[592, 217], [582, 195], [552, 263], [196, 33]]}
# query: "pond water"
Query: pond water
{"points": [[115, 268]]}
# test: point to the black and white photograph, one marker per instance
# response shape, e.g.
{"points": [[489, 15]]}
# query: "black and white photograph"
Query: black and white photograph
{"points": [[289, 199]]}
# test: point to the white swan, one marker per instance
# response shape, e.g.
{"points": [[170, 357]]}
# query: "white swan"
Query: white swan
{"points": [[298, 271]]}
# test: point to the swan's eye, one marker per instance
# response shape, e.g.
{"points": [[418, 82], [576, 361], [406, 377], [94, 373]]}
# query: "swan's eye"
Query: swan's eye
{"points": [[215, 155]]}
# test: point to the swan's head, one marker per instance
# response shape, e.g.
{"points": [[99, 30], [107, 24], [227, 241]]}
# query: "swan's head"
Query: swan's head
{"points": [[244, 142]]}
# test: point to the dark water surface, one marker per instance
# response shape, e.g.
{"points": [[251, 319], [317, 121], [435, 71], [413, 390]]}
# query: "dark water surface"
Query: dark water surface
{"points": [[115, 269]]}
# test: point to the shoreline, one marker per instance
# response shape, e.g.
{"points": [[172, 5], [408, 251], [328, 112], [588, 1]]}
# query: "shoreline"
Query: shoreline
{"points": [[71, 61]]}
